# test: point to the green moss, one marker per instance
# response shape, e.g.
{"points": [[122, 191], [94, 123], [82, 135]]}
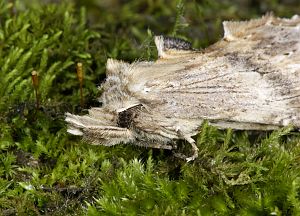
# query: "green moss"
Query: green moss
{"points": [[43, 170]]}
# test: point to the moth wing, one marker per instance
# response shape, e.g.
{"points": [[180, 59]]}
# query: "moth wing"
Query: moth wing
{"points": [[248, 80]]}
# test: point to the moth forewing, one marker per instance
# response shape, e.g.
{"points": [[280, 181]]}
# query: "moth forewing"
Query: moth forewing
{"points": [[249, 80]]}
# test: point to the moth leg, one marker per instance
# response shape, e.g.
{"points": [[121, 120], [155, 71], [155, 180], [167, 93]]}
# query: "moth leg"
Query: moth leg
{"points": [[194, 147]]}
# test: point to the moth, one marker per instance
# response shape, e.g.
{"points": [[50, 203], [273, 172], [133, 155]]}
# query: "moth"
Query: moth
{"points": [[249, 80]]}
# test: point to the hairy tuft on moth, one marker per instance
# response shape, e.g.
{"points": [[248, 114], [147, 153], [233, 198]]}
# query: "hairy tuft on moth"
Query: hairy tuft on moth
{"points": [[249, 80]]}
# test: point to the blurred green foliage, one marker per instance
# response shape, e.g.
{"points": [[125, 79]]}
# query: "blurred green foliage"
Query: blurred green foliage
{"points": [[45, 171]]}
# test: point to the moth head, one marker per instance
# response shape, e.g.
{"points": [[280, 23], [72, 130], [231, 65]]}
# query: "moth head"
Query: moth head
{"points": [[112, 123], [102, 126]]}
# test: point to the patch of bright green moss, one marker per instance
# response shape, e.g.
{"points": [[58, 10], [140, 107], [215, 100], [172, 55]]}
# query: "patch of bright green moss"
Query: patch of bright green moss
{"points": [[43, 170]]}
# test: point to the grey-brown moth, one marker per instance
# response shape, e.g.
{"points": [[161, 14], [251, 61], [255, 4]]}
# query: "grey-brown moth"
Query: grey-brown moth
{"points": [[249, 80]]}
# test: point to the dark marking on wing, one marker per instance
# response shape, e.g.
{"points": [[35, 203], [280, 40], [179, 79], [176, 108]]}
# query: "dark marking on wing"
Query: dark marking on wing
{"points": [[176, 43]]}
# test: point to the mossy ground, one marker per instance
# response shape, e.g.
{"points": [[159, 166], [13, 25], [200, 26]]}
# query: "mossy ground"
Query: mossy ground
{"points": [[45, 171]]}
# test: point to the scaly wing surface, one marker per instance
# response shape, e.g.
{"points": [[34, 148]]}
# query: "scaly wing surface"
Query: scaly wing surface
{"points": [[248, 80]]}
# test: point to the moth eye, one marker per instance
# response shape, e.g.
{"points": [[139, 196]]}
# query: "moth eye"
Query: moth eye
{"points": [[126, 117]]}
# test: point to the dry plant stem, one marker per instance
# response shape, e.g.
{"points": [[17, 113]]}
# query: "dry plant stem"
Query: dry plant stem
{"points": [[35, 83], [79, 69], [249, 80]]}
